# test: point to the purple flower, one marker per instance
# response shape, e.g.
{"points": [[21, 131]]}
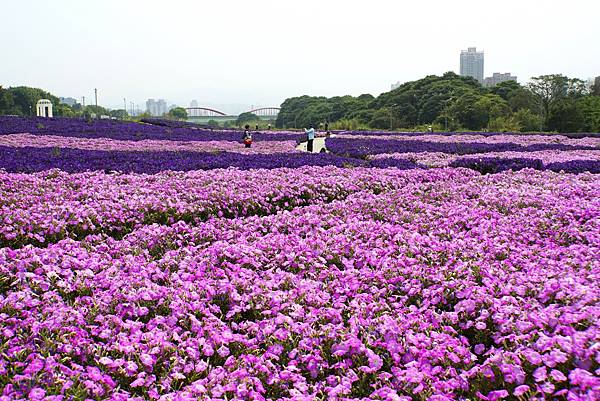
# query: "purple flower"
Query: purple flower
{"points": [[520, 390], [497, 395], [37, 394], [540, 374]]}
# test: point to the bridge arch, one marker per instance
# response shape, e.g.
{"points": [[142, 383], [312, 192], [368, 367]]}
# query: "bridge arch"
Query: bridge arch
{"points": [[265, 111], [203, 112]]}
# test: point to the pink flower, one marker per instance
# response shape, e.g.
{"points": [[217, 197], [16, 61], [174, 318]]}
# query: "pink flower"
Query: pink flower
{"points": [[557, 375], [540, 374], [497, 395], [34, 366], [520, 390], [223, 351], [37, 394]]}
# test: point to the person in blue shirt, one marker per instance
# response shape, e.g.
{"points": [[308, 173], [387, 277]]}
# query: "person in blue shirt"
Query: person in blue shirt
{"points": [[310, 137]]}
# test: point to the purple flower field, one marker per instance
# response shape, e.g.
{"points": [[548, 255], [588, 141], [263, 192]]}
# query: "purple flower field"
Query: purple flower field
{"points": [[492, 162], [362, 147], [129, 131], [170, 266]]}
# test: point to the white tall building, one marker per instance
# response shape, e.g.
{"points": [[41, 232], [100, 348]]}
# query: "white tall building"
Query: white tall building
{"points": [[194, 103], [156, 107], [471, 64], [497, 77]]}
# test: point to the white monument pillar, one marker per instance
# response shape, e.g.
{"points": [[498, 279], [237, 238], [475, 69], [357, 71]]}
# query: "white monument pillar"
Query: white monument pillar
{"points": [[44, 108]]}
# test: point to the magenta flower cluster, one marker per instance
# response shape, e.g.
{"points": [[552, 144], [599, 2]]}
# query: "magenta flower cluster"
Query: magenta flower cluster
{"points": [[49, 206], [432, 285], [439, 159]]}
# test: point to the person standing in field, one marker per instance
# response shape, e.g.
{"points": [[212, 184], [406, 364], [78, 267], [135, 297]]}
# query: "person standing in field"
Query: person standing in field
{"points": [[247, 136], [310, 137]]}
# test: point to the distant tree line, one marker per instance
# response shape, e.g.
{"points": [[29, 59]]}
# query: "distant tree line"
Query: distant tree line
{"points": [[452, 102], [21, 101]]}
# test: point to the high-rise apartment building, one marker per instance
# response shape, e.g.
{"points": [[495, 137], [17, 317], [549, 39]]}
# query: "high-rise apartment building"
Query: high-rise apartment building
{"points": [[156, 107], [194, 103], [471, 64], [162, 107], [497, 77], [596, 87]]}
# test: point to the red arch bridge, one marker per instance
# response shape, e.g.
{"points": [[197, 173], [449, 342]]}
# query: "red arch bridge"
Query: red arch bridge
{"points": [[205, 112]]}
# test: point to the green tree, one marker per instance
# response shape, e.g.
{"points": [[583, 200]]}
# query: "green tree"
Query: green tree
{"points": [[121, 114], [362, 116], [564, 116], [423, 101], [493, 106], [505, 89], [178, 113], [97, 110], [550, 89], [7, 102], [382, 119], [528, 120], [25, 99], [63, 110], [246, 118], [468, 112], [523, 98], [589, 107], [504, 124]]}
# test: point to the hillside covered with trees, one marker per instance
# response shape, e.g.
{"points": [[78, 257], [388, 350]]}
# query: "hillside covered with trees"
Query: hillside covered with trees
{"points": [[21, 101], [452, 102]]}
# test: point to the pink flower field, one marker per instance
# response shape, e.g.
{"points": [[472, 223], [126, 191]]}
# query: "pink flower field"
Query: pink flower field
{"points": [[330, 280], [438, 159]]}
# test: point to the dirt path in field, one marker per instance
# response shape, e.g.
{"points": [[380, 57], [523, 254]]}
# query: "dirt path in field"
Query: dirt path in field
{"points": [[318, 144]]}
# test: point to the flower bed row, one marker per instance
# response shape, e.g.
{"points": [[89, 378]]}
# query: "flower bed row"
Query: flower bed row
{"points": [[46, 207], [567, 161], [548, 135], [469, 287], [35, 159], [147, 145], [363, 147], [129, 131], [517, 139]]}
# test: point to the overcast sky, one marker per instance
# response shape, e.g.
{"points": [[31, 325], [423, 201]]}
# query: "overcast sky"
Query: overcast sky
{"points": [[226, 52]]}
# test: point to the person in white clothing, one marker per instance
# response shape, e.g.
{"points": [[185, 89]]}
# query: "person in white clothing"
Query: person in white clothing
{"points": [[310, 138]]}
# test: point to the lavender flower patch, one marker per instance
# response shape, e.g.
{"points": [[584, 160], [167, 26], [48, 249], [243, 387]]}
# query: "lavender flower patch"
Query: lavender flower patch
{"points": [[128, 131], [147, 145], [392, 134], [29, 159], [363, 147]]}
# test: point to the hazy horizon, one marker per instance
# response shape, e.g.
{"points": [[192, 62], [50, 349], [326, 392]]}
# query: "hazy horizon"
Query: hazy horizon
{"points": [[236, 54]]}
